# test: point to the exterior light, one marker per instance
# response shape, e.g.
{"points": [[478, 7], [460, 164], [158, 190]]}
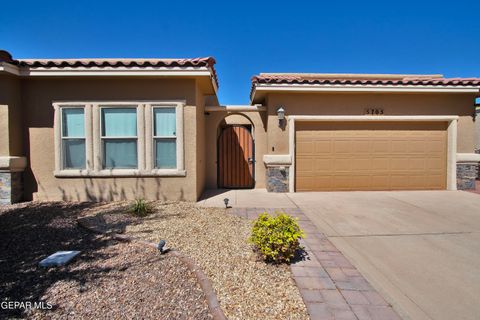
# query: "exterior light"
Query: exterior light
{"points": [[281, 117], [226, 202], [281, 114]]}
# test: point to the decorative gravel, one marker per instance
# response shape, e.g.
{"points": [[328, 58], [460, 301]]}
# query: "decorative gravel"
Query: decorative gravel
{"points": [[247, 287], [139, 284], [109, 280], [112, 280]]}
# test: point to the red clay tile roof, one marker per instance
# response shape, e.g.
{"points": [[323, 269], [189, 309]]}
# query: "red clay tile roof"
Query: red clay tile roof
{"points": [[361, 79], [5, 56]]}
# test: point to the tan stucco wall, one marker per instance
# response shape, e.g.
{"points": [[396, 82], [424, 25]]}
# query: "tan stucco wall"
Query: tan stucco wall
{"points": [[10, 117], [355, 104], [200, 137], [40, 183], [213, 123], [477, 128]]}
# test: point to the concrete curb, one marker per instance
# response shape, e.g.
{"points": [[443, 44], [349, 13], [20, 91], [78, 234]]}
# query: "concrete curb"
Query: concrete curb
{"points": [[205, 284]]}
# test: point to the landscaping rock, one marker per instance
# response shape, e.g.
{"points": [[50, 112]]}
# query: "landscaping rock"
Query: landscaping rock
{"points": [[59, 258]]}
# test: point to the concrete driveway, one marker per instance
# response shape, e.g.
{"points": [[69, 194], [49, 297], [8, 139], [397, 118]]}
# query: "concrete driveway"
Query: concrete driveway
{"points": [[420, 249]]}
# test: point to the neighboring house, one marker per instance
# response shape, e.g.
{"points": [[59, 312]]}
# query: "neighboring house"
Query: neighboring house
{"points": [[106, 129]]}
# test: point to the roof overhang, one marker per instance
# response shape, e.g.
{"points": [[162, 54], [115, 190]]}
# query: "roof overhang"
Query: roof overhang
{"points": [[201, 69], [259, 90], [190, 72]]}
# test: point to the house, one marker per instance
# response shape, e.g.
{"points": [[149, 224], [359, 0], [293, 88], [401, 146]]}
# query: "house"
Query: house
{"points": [[107, 129]]}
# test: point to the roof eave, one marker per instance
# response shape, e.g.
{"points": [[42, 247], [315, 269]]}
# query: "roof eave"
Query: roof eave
{"points": [[259, 89], [6, 67], [203, 71]]}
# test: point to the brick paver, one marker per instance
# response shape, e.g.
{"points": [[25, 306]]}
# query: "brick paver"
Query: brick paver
{"points": [[331, 287]]}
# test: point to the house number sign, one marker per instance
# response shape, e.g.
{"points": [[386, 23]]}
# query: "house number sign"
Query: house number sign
{"points": [[374, 111]]}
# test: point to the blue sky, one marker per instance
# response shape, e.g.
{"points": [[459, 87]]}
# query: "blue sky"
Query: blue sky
{"points": [[249, 37]]}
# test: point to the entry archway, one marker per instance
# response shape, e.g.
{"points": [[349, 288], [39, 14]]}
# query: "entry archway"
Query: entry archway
{"points": [[236, 153]]}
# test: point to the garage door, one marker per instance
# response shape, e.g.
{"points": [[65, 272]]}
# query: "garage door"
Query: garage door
{"points": [[370, 156]]}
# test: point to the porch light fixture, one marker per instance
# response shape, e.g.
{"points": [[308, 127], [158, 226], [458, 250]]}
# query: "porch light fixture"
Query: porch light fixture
{"points": [[281, 116]]}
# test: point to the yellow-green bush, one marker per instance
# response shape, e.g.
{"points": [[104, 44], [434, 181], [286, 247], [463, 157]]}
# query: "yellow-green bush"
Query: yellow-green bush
{"points": [[276, 237]]}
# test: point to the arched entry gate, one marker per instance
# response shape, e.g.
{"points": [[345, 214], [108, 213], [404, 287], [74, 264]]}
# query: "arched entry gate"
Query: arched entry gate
{"points": [[236, 158]]}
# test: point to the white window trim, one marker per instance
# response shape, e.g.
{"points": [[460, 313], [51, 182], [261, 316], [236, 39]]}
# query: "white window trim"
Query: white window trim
{"points": [[451, 138], [63, 138], [150, 155], [58, 137], [93, 141], [138, 109]]}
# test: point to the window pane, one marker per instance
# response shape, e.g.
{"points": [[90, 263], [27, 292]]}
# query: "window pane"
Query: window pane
{"points": [[120, 153], [165, 121], [74, 154], [166, 153], [73, 121], [119, 122]]}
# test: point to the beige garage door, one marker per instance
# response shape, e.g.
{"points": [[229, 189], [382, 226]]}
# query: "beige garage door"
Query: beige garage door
{"points": [[370, 156]]}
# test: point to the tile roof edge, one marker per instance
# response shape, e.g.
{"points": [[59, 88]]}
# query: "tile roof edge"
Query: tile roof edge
{"points": [[351, 75], [208, 62]]}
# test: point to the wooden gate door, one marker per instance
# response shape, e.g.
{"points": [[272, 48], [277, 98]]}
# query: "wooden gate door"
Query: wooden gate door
{"points": [[235, 158]]}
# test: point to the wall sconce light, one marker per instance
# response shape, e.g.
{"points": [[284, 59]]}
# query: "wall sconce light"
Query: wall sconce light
{"points": [[281, 115]]}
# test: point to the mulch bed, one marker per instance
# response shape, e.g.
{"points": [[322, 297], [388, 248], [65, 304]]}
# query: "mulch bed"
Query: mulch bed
{"points": [[108, 280]]}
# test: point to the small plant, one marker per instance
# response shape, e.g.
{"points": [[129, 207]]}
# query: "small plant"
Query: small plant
{"points": [[141, 208], [276, 237]]}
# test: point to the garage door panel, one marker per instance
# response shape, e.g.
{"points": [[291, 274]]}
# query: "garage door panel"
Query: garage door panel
{"points": [[371, 156], [378, 181], [416, 146], [361, 164], [306, 182], [325, 165], [399, 146], [342, 182], [323, 146], [305, 147], [435, 164], [305, 165], [435, 146], [323, 183], [361, 146], [434, 181], [380, 163], [342, 165], [380, 146], [417, 164], [342, 146]]}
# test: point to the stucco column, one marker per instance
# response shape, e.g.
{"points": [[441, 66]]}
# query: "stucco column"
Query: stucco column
{"points": [[12, 163]]}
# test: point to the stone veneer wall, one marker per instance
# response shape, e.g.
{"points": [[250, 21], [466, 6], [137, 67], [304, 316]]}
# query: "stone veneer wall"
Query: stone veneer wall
{"points": [[277, 179], [478, 171], [467, 173], [11, 189]]}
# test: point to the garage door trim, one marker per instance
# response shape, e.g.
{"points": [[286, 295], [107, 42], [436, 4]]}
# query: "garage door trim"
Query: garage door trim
{"points": [[451, 138]]}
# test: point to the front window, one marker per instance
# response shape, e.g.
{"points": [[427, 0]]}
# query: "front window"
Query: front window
{"points": [[73, 138], [119, 138], [165, 138]]}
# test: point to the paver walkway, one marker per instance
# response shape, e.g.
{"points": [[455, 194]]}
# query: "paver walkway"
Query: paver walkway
{"points": [[331, 287]]}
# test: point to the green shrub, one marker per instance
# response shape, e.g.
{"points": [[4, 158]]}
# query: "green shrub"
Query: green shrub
{"points": [[141, 208], [276, 237]]}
